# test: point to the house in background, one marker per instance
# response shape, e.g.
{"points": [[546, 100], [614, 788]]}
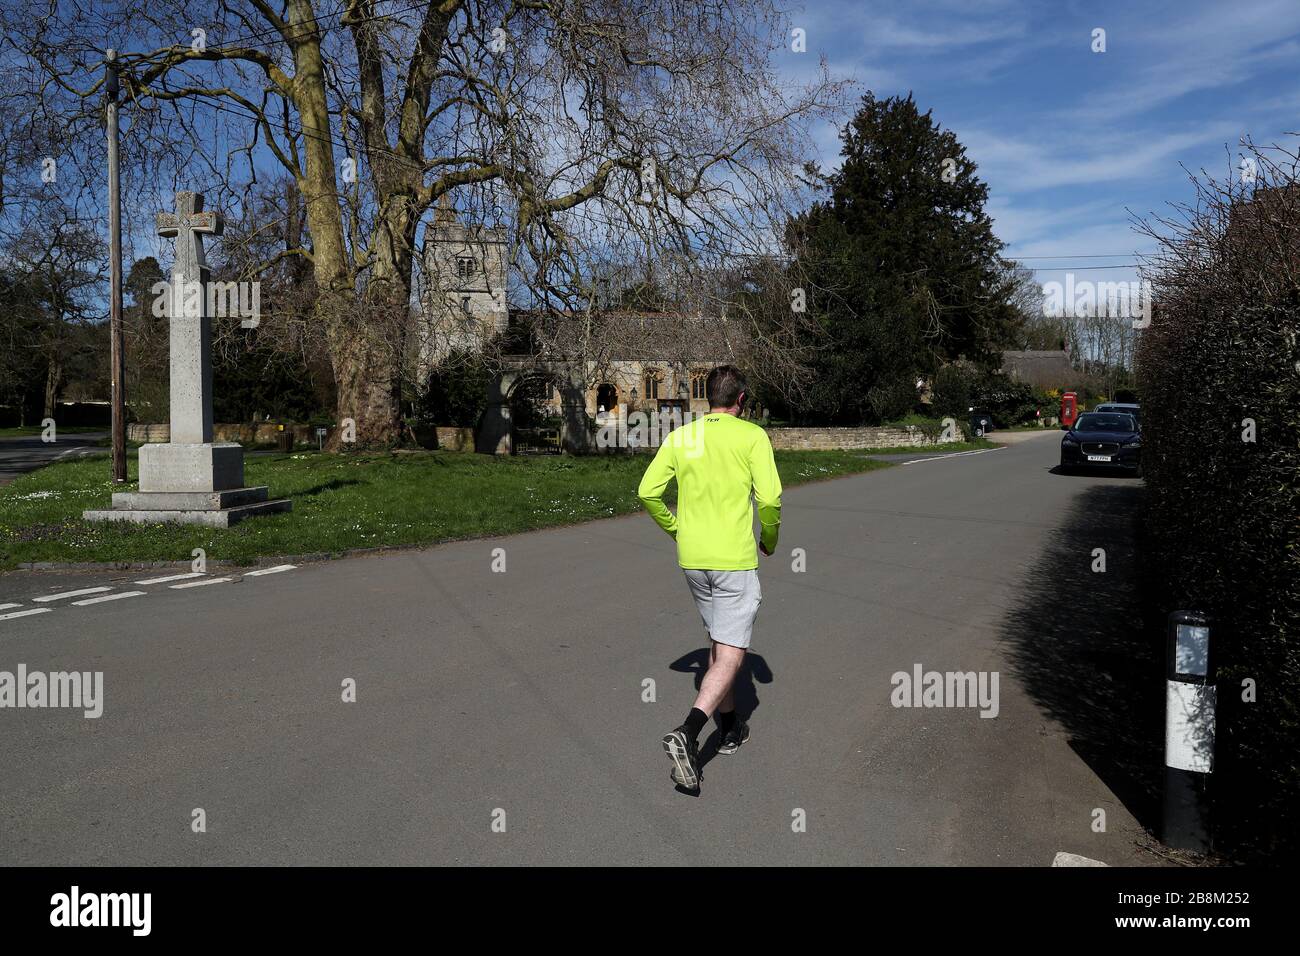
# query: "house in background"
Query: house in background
{"points": [[1042, 368]]}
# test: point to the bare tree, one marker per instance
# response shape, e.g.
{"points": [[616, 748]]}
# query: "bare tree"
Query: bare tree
{"points": [[665, 118], [53, 267]]}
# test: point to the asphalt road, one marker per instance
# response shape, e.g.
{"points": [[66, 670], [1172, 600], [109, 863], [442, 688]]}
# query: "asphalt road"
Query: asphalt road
{"points": [[19, 455], [517, 697]]}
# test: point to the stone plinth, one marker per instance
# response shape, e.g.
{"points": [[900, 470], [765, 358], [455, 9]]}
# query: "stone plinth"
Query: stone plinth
{"points": [[181, 466], [191, 484], [216, 509], [216, 518], [188, 500]]}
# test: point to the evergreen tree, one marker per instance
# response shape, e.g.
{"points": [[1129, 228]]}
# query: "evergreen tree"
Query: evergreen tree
{"points": [[903, 265]]}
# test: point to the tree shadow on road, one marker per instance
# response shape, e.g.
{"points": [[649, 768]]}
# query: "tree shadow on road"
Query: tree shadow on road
{"points": [[754, 669], [1080, 647]]}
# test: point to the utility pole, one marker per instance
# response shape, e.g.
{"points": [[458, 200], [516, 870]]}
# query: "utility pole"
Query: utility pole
{"points": [[117, 374]]}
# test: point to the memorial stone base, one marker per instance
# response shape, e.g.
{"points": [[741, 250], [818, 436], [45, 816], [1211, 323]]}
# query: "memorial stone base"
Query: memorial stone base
{"points": [[191, 484]]}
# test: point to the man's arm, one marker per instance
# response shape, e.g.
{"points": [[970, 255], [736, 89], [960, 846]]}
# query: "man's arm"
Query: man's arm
{"points": [[767, 491], [653, 482]]}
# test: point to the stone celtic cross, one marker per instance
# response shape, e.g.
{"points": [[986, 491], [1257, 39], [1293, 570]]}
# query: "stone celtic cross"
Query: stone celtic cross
{"points": [[188, 225], [191, 329], [190, 478]]}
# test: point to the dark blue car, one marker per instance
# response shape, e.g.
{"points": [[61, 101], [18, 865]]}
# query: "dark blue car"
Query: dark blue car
{"points": [[1105, 440]]}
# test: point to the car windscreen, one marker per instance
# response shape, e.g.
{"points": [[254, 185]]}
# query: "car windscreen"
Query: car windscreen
{"points": [[1105, 422], [1121, 410]]}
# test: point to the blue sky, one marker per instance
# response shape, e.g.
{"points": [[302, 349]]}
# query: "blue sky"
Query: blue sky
{"points": [[1066, 138]]}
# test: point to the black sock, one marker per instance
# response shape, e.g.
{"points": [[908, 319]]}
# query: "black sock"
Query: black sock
{"points": [[695, 722], [726, 721]]}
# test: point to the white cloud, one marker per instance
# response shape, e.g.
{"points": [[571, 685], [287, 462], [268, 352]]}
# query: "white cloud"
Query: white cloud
{"points": [[1216, 47], [1078, 157]]}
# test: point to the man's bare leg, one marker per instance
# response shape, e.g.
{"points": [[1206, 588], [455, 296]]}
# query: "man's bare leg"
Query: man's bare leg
{"points": [[717, 690]]}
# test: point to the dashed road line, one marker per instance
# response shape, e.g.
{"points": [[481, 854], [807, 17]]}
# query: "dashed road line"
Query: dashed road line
{"points": [[30, 611], [172, 577], [956, 454], [275, 570], [188, 578], [69, 594], [109, 597]]}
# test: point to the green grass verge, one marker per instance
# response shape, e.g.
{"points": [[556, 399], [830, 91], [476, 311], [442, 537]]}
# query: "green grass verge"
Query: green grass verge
{"points": [[348, 501], [21, 431]]}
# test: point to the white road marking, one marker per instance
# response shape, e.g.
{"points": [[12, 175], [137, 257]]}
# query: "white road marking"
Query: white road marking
{"points": [[199, 584], [82, 451], [956, 454], [5, 607], [69, 594], [109, 597], [1074, 859], [172, 577], [275, 570], [35, 610]]}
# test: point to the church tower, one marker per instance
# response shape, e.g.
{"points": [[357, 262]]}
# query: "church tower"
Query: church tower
{"points": [[465, 278]]}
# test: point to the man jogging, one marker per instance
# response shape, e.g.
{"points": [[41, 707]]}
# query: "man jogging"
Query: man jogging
{"points": [[719, 460]]}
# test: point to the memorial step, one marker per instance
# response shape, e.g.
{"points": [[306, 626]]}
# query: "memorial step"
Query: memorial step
{"points": [[222, 518], [188, 500]]}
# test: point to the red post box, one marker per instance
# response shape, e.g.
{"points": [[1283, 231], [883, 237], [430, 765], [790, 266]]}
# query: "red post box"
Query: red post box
{"points": [[1069, 409]]}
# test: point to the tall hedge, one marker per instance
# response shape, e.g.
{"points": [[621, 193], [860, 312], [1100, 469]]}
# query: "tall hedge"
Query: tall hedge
{"points": [[1219, 378]]}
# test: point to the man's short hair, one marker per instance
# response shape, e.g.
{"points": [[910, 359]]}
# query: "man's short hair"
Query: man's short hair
{"points": [[724, 385]]}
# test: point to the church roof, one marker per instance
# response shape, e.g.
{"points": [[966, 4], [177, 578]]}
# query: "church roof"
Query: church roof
{"points": [[629, 336]]}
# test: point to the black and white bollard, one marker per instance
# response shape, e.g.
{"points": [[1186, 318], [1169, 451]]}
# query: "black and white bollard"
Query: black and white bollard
{"points": [[1189, 731]]}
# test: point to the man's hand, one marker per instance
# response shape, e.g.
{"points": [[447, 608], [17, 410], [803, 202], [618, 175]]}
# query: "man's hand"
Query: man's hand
{"points": [[762, 547]]}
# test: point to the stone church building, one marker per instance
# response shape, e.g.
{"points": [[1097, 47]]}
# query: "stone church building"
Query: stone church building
{"points": [[545, 398]]}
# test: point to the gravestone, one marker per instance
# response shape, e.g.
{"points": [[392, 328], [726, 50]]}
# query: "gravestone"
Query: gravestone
{"points": [[190, 479]]}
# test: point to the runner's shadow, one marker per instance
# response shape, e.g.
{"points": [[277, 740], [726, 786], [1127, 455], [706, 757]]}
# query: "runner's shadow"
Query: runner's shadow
{"points": [[754, 669]]}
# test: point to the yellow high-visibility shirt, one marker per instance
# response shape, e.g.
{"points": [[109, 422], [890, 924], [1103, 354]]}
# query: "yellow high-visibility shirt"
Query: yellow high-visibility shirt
{"points": [[719, 461]]}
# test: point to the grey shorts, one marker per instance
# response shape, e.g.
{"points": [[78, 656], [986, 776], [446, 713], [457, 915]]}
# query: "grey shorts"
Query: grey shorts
{"points": [[728, 602]]}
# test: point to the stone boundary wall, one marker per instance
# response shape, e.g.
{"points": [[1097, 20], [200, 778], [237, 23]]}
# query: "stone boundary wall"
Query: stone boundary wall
{"points": [[832, 439], [263, 433], [455, 439], [148, 433], [462, 439]]}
